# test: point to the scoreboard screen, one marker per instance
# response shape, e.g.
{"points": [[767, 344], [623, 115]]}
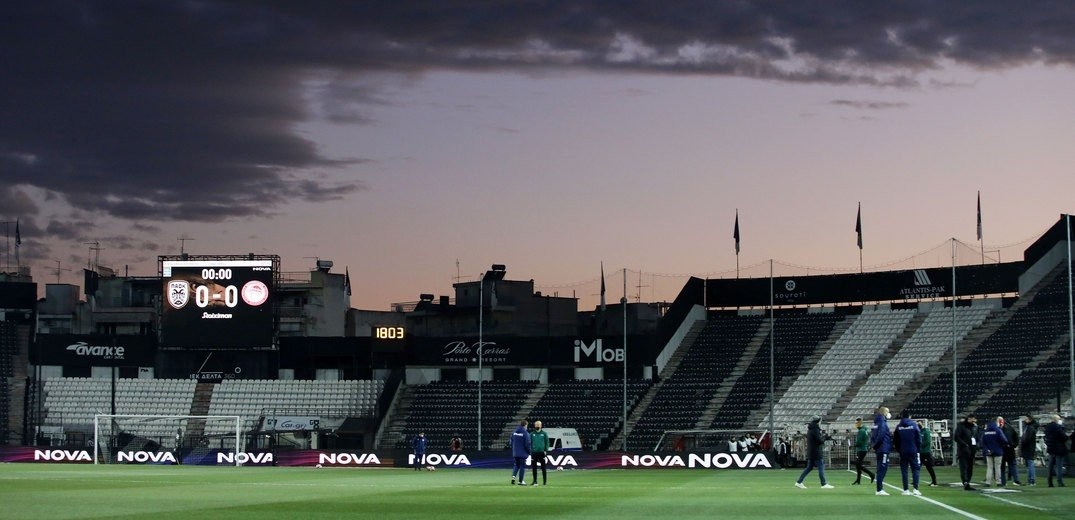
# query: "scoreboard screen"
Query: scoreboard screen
{"points": [[217, 303]]}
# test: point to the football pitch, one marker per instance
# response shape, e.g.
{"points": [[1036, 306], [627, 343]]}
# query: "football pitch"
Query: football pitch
{"points": [[37, 491]]}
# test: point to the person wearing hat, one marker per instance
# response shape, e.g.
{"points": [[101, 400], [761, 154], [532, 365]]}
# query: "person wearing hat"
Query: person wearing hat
{"points": [[815, 441]]}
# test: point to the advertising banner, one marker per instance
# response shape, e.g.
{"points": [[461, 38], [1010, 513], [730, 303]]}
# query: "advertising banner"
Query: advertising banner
{"points": [[532, 351], [95, 350], [403, 459]]}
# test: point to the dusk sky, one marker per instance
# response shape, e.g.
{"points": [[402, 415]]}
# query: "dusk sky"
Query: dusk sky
{"points": [[398, 137]]}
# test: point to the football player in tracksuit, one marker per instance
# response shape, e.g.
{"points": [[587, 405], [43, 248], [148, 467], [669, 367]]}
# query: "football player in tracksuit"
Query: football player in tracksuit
{"points": [[882, 445], [520, 450], [908, 440], [862, 447], [993, 443]]}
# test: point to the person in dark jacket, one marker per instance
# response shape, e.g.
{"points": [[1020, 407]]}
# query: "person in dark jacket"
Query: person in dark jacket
{"points": [[815, 443], [1055, 445], [862, 447], [1028, 447], [419, 447], [539, 444], [882, 446], [1009, 470], [993, 443], [520, 450], [908, 442], [927, 451], [966, 445]]}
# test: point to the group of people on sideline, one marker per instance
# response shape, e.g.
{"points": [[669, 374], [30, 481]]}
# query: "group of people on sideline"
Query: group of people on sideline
{"points": [[999, 442]]}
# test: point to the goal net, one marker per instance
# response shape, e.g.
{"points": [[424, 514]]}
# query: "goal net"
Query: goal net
{"points": [[717, 440], [166, 439]]}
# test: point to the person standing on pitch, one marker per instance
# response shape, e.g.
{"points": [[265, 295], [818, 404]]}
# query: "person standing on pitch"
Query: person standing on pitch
{"points": [[966, 444], [1028, 448], [1008, 468], [908, 441], [815, 454], [862, 447], [993, 442], [520, 449], [419, 447], [539, 444], [882, 445], [1055, 438], [927, 451]]}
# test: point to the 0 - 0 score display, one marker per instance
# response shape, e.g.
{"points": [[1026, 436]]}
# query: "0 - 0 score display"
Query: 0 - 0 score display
{"points": [[217, 303]]}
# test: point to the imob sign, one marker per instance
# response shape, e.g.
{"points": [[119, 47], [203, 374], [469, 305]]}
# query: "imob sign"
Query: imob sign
{"points": [[596, 352]]}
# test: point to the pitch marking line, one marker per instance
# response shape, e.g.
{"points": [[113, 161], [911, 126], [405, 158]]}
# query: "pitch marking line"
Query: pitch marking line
{"points": [[1016, 503], [938, 503]]}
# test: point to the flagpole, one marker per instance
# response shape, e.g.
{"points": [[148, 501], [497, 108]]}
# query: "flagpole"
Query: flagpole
{"points": [[980, 240], [623, 301], [858, 232], [955, 353], [772, 350], [481, 316], [735, 235], [1071, 323]]}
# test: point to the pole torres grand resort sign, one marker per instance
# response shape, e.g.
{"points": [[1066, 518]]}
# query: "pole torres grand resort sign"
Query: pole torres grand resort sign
{"points": [[530, 351]]}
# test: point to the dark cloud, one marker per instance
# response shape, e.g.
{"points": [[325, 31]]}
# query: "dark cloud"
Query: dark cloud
{"points": [[15, 203], [164, 110], [868, 105]]}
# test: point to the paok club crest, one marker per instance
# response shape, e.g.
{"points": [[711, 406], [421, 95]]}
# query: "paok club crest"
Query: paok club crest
{"points": [[178, 293]]}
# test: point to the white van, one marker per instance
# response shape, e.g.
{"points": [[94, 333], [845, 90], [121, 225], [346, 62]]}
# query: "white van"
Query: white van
{"points": [[563, 439]]}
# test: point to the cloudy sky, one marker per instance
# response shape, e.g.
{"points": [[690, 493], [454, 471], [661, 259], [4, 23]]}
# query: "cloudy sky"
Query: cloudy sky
{"points": [[397, 138]]}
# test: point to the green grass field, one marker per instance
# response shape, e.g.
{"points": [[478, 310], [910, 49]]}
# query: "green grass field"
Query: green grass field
{"points": [[39, 491]]}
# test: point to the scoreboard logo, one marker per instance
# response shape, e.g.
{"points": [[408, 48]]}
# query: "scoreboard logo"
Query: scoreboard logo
{"points": [[255, 293], [178, 293]]}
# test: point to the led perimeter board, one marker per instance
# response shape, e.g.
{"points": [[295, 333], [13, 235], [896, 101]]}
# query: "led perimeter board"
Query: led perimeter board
{"points": [[217, 303]]}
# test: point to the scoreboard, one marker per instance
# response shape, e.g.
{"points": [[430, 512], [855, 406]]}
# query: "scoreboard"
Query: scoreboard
{"points": [[217, 303]]}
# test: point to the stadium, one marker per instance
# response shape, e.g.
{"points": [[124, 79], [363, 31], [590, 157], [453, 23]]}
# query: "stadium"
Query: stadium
{"points": [[224, 364]]}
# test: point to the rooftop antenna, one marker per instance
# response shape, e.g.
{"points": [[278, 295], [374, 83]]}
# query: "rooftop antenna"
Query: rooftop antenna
{"points": [[95, 252], [638, 295], [57, 271], [183, 243]]}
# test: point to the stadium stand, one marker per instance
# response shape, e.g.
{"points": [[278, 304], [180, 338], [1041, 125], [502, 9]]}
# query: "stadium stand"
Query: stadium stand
{"points": [[850, 356], [798, 335], [594, 408], [446, 408], [1028, 334], [71, 402], [9, 347], [930, 341], [686, 393], [252, 398]]}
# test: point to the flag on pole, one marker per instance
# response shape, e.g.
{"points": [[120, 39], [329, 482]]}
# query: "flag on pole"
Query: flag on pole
{"points": [[347, 281], [735, 234], [18, 236], [858, 225], [602, 286], [979, 215]]}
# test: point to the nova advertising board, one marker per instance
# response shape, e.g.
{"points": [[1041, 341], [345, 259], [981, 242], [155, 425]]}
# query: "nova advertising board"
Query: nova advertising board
{"points": [[400, 458]]}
